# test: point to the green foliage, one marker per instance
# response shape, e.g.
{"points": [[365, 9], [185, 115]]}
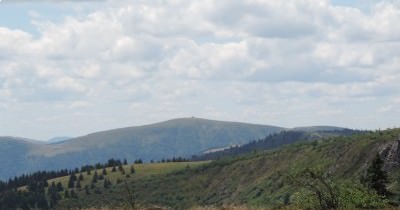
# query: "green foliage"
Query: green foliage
{"points": [[107, 183], [71, 181], [376, 178], [66, 194], [351, 195], [318, 190], [78, 184], [254, 179], [95, 177], [73, 194], [60, 188], [354, 195], [53, 195]]}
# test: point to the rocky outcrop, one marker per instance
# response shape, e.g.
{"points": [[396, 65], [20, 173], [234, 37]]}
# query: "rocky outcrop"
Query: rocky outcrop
{"points": [[390, 153]]}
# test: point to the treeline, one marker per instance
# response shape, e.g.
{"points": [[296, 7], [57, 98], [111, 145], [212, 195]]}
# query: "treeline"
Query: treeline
{"points": [[273, 141], [110, 163], [32, 191], [42, 176], [172, 160], [26, 179]]}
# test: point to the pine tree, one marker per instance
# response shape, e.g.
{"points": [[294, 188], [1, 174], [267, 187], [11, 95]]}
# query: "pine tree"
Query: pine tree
{"points": [[52, 192], [87, 190], [59, 187], [66, 193], [104, 171], [138, 161], [78, 184], [73, 177], [107, 183], [73, 194], [376, 178], [95, 177], [71, 182], [80, 177]]}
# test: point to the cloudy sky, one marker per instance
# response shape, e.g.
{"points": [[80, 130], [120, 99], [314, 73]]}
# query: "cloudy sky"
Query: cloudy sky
{"points": [[75, 67]]}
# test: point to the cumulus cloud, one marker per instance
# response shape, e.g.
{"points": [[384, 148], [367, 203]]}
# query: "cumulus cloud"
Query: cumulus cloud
{"points": [[278, 62]]}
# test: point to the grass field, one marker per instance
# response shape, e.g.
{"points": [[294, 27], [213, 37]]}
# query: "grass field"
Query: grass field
{"points": [[97, 195], [141, 171]]}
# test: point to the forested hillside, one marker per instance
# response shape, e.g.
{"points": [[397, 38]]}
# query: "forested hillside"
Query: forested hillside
{"points": [[276, 140], [266, 178]]}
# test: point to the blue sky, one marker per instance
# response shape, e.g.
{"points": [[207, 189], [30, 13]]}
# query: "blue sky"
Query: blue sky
{"points": [[19, 15], [72, 68]]}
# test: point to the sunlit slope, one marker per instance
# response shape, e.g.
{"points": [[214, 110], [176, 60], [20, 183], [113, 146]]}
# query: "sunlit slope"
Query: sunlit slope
{"points": [[259, 178]]}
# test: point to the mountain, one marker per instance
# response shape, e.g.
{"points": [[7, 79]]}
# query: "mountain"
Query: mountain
{"points": [[262, 179], [13, 153], [178, 137]]}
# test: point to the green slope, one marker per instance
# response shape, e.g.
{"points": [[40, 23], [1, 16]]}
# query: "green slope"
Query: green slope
{"points": [[277, 140], [98, 196], [257, 179]]}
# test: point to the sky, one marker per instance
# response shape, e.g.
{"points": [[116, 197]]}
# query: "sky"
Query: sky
{"points": [[69, 68]]}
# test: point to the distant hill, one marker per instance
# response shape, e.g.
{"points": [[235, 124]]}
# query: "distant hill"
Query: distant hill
{"points": [[14, 153], [178, 137]]}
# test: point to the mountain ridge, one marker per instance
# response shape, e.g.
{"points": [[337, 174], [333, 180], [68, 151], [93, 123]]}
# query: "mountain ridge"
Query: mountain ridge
{"points": [[176, 137]]}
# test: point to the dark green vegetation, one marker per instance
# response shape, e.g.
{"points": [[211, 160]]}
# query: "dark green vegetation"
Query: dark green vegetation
{"points": [[179, 138], [333, 167], [277, 140], [46, 190]]}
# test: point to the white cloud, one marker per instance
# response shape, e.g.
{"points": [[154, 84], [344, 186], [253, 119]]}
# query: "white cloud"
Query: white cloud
{"points": [[278, 62], [80, 104]]}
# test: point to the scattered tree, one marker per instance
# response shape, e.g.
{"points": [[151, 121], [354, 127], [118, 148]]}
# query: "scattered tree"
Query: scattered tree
{"points": [[316, 186], [80, 178], [95, 177], [376, 178]]}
